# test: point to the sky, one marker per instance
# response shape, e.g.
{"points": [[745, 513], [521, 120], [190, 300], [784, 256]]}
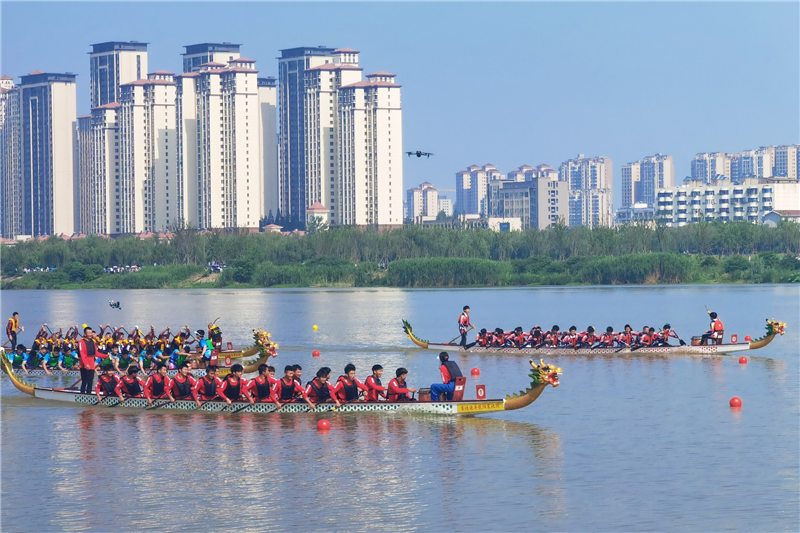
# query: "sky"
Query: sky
{"points": [[501, 83]]}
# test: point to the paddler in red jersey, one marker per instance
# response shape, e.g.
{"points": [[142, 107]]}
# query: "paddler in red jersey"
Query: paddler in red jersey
{"points": [[87, 352], [607, 338], [463, 325], [182, 384], [648, 337], [373, 383], [158, 385], [106, 384], [208, 387], [398, 388], [551, 338], [587, 338], [130, 386], [626, 337], [347, 386], [287, 389], [449, 371], [483, 338], [260, 388], [320, 390], [234, 387], [664, 335]]}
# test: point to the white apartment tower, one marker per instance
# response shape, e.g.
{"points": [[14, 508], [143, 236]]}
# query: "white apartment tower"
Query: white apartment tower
{"points": [[112, 65], [472, 186], [105, 200], [268, 111], [787, 161], [83, 174], [218, 132], [322, 84], [590, 182], [422, 203], [641, 179], [200, 54], [707, 166], [371, 153], [147, 136], [10, 159], [48, 115]]}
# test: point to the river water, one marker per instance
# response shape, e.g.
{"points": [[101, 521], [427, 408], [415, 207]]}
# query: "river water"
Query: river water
{"points": [[635, 443]]}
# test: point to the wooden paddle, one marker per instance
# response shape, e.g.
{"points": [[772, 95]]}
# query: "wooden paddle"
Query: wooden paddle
{"points": [[683, 343], [459, 335], [210, 399]]}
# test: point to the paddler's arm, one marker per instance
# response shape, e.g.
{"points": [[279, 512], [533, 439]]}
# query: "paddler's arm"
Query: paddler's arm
{"points": [[118, 390]]}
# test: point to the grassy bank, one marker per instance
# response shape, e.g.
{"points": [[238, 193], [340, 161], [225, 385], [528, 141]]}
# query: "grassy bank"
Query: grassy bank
{"points": [[644, 268]]}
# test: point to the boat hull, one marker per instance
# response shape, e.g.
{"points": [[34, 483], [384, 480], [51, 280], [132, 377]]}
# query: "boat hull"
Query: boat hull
{"points": [[716, 349], [468, 407]]}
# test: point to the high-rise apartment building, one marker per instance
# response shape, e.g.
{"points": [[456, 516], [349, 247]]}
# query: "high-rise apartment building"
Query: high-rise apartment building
{"points": [[322, 84], [631, 183], [446, 206], [472, 186], [83, 174], [787, 161], [105, 185], [201, 54], [48, 114], [641, 179], [591, 198], [219, 143], [268, 111], [147, 136], [292, 65], [112, 65], [371, 152], [10, 159], [422, 203], [708, 166], [534, 195]]}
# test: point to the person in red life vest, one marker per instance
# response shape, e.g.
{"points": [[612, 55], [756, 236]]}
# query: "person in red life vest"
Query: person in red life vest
{"points": [[347, 386], [463, 325], [518, 337], [208, 387], [106, 384], [398, 388], [260, 388], [130, 386], [298, 374], [234, 387], [625, 338], [641, 334], [373, 382], [570, 339], [664, 335], [482, 338], [287, 389], [716, 331], [587, 338], [12, 328], [319, 389], [551, 338], [271, 376], [87, 352], [648, 338], [158, 385], [607, 338], [450, 371], [535, 337], [182, 385]]}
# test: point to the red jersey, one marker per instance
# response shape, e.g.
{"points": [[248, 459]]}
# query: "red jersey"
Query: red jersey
{"points": [[206, 388], [287, 391], [107, 385], [342, 386], [231, 386], [261, 389], [131, 387], [376, 389], [398, 391], [314, 386], [157, 387], [181, 387]]}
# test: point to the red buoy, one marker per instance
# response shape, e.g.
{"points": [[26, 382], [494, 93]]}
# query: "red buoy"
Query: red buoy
{"points": [[323, 425], [475, 372], [743, 360], [315, 353], [736, 401], [748, 338]]}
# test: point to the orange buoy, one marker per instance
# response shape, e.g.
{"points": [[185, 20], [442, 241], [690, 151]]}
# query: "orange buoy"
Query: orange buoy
{"points": [[736, 401], [743, 360], [315, 353], [748, 338], [475, 372], [323, 425]]}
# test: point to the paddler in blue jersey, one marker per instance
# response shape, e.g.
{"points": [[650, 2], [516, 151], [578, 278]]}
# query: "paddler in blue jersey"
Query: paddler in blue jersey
{"points": [[205, 344]]}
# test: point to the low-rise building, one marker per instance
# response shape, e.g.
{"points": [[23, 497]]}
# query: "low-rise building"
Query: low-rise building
{"points": [[534, 195]]}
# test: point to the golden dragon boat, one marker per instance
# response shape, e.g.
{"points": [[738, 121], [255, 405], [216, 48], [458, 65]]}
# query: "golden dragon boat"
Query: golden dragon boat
{"points": [[541, 376], [773, 327]]}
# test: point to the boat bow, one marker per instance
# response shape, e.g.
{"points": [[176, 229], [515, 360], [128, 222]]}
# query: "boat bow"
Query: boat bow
{"points": [[22, 386], [408, 331], [541, 376], [774, 327]]}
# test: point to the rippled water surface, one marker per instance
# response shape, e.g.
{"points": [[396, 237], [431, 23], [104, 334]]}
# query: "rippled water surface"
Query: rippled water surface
{"points": [[624, 444]]}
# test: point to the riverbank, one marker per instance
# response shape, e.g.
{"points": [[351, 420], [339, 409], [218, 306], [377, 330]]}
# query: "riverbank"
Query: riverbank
{"points": [[629, 269]]}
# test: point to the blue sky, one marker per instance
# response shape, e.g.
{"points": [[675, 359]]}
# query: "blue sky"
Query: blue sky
{"points": [[508, 84]]}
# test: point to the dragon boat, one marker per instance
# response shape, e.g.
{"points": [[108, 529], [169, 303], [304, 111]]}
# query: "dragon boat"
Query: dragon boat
{"points": [[541, 376], [773, 328], [263, 347]]}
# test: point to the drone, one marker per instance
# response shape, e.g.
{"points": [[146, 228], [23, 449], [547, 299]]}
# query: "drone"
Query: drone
{"points": [[419, 153], [114, 305]]}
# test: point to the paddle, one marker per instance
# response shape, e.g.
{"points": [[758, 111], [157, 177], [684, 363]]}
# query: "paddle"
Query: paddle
{"points": [[212, 398], [683, 343], [623, 347], [459, 335], [154, 406]]}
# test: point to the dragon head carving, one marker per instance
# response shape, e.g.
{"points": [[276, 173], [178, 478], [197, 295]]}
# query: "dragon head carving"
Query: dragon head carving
{"points": [[775, 327], [544, 374], [265, 345]]}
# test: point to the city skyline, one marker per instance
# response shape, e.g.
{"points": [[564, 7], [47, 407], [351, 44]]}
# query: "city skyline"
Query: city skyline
{"points": [[528, 110]]}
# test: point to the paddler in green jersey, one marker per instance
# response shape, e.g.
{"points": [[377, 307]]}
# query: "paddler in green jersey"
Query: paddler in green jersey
{"points": [[68, 359], [17, 356]]}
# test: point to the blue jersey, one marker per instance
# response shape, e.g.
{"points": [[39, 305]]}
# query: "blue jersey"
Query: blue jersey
{"points": [[206, 344]]}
